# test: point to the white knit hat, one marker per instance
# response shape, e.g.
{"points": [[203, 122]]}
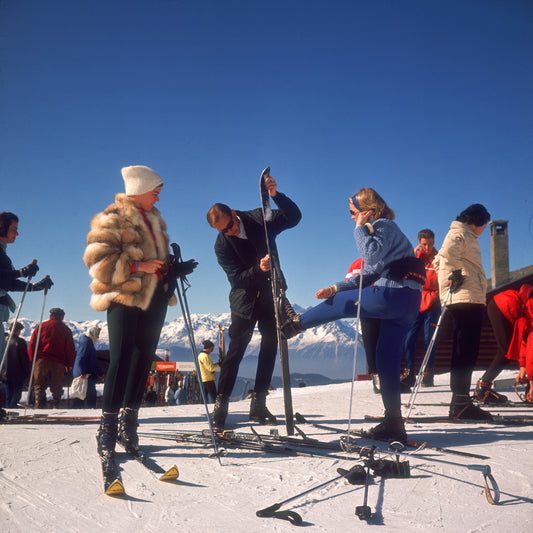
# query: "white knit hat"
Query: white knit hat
{"points": [[140, 179]]}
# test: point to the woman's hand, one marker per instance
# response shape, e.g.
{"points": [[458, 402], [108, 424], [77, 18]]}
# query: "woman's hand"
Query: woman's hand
{"points": [[363, 217], [521, 378], [151, 266], [327, 292]]}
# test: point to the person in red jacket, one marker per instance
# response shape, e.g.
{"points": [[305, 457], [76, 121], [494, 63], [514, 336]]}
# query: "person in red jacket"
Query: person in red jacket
{"points": [[55, 355], [511, 315], [428, 315]]}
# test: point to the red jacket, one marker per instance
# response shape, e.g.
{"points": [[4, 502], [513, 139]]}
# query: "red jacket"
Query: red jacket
{"points": [[56, 343], [517, 308], [430, 289]]}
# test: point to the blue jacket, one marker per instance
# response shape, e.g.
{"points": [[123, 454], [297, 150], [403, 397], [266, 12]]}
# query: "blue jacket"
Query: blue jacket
{"points": [[378, 249], [86, 359]]}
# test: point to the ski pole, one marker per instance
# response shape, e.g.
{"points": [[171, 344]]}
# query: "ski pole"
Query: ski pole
{"points": [[427, 355], [182, 288], [34, 262], [363, 512], [355, 349], [277, 295], [30, 384], [292, 516]]}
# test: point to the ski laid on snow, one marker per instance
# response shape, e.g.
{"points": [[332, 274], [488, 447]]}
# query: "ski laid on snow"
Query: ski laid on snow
{"points": [[410, 443], [262, 443], [497, 420], [14, 418], [278, 294]]}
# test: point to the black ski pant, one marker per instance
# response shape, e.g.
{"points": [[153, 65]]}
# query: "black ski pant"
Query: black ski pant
{"points": [[240, 333], [467, 320], [133, 338], [210, 389]]}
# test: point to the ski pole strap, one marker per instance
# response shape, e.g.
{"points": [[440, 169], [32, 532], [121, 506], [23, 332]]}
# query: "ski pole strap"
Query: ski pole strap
{"points": [[273, 512]]}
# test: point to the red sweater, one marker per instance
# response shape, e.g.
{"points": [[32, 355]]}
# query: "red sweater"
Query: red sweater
{"points": [[56, 343]]}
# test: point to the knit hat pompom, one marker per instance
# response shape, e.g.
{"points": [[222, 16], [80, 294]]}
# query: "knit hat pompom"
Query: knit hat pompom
{"points": [[139, 179]]}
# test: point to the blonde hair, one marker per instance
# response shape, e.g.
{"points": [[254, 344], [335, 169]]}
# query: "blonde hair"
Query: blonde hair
{"points": [[369, 200]]}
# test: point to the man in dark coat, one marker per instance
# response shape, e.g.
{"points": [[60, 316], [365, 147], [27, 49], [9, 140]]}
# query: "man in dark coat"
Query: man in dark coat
{"points": [[9, 274], [17, 366], [241, 251]]}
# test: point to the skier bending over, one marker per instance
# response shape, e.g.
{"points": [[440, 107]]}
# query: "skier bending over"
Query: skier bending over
{"points": [[241, 251], [394, 298]]}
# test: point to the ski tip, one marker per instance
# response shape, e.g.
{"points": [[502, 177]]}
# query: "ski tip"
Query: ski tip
{"points": [[171, 474], [116, 488], [265, 173]]}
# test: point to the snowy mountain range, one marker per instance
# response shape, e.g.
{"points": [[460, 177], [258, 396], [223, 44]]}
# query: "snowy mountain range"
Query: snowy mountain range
{"points": [[327, 350]]}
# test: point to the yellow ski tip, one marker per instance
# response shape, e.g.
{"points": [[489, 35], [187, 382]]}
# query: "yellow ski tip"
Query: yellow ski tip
{"points": [[171, 473], [116, 488]]}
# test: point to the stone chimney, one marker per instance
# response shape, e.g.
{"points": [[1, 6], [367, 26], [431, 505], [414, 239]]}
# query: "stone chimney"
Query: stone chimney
{"points": [[499, 252]]}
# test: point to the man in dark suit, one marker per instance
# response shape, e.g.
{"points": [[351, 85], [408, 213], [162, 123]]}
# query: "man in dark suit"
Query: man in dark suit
{"points": [[241, 251]]}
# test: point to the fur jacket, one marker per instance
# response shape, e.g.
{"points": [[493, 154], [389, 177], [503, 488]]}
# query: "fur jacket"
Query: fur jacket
{"points": [[118, 237]]}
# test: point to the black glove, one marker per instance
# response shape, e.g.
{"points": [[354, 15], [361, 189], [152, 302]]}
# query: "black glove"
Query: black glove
{"points": [[29, 271], [45, 283], [457, 280], [183, 269]]}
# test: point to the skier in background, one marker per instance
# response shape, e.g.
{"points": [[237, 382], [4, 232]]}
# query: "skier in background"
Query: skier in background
{"points": [[241, 251], [428, 314], [55, 357], [208, 369], [17, 367], [9, 281], [86, 367]]}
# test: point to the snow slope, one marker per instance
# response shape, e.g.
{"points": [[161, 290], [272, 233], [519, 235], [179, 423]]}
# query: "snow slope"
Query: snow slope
{"points": [[50, 475]]}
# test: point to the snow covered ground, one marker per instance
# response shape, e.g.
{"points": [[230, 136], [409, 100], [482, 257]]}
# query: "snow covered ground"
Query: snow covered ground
{"points": [[50, 475]]}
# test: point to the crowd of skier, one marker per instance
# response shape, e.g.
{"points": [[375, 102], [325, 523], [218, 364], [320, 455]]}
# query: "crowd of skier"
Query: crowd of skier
{"points": [[393, 289]]}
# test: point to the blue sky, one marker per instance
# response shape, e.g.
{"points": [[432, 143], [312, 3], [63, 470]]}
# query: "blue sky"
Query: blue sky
{"points": [[430, 103]]}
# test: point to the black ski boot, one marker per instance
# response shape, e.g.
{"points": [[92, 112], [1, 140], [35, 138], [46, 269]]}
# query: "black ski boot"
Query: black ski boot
{"points": [[220, 412], [375, 384], [461, 406], [106, 438], [289, 319], [391, 429], [258, 410], [484, 393], [127, 431]]}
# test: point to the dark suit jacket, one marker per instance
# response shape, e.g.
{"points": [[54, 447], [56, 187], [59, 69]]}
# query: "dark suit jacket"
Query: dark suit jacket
{"points": [[240, 257]]}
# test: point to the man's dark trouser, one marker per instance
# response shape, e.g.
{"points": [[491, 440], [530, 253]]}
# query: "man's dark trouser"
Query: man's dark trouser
{"points": [[210, 389], [467, 320], [133, 338], [240, 333]]}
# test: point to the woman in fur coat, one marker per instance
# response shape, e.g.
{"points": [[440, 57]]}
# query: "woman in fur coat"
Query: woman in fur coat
{"points": [[129, 260]]}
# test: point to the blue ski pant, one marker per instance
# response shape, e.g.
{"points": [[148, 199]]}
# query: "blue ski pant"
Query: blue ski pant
{"points": [[395, 307]]}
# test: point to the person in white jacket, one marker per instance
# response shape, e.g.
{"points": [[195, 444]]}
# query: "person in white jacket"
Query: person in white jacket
{"points": [[460, 269]]}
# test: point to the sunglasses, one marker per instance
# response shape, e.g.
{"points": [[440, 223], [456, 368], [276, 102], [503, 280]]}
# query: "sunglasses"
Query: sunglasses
{"points": [[228, 227], [353, 213]]}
